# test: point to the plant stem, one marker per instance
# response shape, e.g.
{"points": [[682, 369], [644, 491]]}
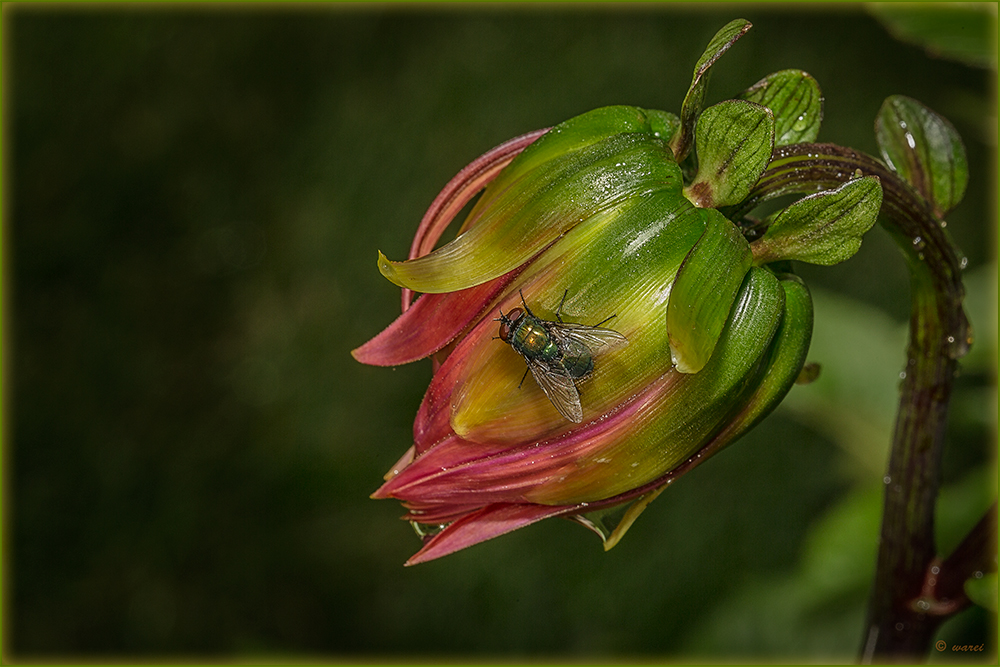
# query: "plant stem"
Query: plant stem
{"points": [[898, 627]]}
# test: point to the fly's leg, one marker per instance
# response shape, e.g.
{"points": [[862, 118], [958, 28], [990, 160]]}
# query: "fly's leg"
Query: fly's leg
{"points": [[525, 304], [559, 309], [522, 377]]}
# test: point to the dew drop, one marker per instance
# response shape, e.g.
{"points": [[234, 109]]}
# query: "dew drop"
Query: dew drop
{"points": [[935, 570], [887, 480], [944, 223], [977, 574], [918, 243], [801, 123], [424, 530], [910, 140], [964, 262], [902, 375]]}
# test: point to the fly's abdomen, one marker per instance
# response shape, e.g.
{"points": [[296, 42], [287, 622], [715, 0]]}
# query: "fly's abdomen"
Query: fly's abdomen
{"points": [[577, 359]]}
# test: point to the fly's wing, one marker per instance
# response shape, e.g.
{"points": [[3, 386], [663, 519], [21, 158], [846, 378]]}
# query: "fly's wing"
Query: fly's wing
{"points": [[560, 389], [595, 338]]}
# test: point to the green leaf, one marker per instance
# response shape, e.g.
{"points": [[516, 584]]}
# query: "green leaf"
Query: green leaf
{"points": [[734, 143], [796, 102], [694, 101], [838, 554], [703, 293], [662, 124], [983, 591], [924, 149], [824, 228], [962, 31]]}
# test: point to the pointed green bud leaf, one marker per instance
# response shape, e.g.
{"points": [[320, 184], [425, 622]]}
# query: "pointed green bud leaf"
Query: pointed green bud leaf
{"points": [[824, 228], [703, 293], [734, 144], [924, 149], [694, 101], [796, 102], [783, 366], [547, 202], [570, 135], [611, 523], [788, 354]]}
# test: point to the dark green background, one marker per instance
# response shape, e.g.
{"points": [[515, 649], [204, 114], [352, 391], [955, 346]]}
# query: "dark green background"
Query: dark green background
{"points": [[193, 201]]}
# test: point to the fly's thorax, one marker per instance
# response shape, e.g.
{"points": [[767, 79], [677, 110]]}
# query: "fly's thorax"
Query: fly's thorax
{"points": [[531, 338]]}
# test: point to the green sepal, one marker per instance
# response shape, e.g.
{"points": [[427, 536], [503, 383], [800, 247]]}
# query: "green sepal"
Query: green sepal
{"points": [[734, 143], [795, 100], [694, 100], [703, 293], [925, 150], [784, 364], [545, 203], [611, 523], [570, 135], [825, 228]]}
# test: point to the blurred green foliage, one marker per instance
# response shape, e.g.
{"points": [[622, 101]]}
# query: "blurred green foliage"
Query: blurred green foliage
{"points": [[194, 198], [946, 29]]}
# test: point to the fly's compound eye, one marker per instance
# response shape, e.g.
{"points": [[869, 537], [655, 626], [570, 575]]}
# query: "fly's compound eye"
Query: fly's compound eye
{"points": [[507, 322]]}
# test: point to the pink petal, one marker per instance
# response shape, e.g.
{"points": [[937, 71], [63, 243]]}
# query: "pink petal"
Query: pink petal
{"points": [[490, 522], [431, 323], [455, 471]]}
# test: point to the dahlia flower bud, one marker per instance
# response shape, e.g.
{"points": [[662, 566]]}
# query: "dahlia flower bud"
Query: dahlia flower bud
{"points": [[599, 326]]}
